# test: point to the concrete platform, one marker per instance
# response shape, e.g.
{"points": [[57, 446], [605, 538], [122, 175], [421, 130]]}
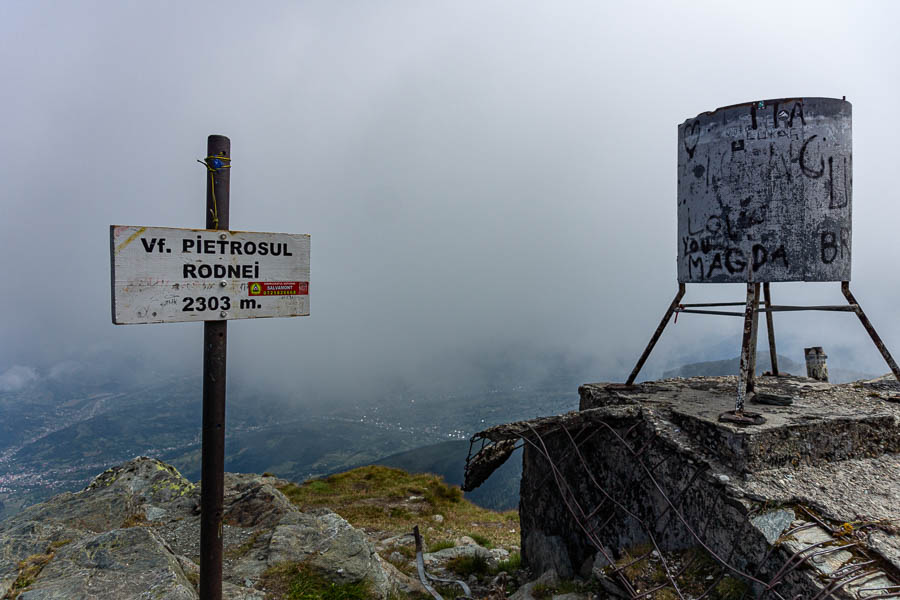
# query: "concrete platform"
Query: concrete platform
{"points": [[804, 505], [824, 422]]}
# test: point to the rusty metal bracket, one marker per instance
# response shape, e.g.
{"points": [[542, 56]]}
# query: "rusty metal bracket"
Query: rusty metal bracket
{"points": [[747, 376], [770, 329], [656, 334], [870, 329], [754, 329], [686, 308], [424, 576], [748, 348]]}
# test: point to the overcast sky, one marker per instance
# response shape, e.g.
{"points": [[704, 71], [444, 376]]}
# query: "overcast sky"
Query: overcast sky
{"points": [[475, 176]]}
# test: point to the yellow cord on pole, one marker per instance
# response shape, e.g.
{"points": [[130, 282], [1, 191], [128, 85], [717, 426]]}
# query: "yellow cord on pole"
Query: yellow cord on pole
{"points": [[213, 164]]}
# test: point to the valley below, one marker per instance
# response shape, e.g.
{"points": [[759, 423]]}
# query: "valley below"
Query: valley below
{"points": [[58, 432], [56, 436]]}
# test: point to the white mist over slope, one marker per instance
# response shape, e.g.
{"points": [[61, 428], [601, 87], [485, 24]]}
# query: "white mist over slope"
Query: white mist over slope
{"points": [[477, 177]]}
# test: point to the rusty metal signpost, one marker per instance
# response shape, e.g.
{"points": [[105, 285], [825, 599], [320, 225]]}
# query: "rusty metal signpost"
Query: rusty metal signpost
{"points": [[167, 275]]}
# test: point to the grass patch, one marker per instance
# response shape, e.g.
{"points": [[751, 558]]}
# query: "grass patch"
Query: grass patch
{"points": [[510, 565], [439, 492], [54, 546], [567, 586], [318, 486], [29, 569], [440, 545], [397, 512], [243, 549], [647, 572], [469, 565], [298, 581], [542, 591], [193, 578], [635, 562], [481, 540], [446, 590], [376, 498], [135, 520], [366, 512], [730, 588]]}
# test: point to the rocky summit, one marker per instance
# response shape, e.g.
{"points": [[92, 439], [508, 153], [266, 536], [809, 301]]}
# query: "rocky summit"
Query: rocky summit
{"points": [[656, 491], [134, 532]]}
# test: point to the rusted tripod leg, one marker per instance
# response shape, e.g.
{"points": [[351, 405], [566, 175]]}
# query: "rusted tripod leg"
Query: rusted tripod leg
{"points": [[845, 288], [770, 327], [743, 377], [656, 334], [751, 368]]}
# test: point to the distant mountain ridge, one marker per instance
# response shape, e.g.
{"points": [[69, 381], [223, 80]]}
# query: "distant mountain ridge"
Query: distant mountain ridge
{"points": [[731, 366], [56, 433]]}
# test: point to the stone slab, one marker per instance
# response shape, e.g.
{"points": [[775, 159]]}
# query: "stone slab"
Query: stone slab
{"points": [[825, 422]]}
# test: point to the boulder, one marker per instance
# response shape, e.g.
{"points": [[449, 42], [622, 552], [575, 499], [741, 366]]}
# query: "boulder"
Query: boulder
{"points": [[134, 533], [122, 563], [331, 545], [252, 501], [549, 579]]}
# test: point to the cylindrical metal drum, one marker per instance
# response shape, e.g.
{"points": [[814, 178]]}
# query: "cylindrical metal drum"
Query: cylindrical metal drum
{"points": [[764, 192]]}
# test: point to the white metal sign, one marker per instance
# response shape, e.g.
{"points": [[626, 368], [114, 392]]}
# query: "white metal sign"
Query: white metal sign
{"points": [[166, 275]]}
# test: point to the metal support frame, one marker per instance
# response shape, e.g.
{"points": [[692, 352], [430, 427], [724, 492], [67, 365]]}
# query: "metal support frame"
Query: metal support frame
{"points": [[770, 329], [747, 377], [870, 329], [747, 374], [688, 308], [656, 334]]}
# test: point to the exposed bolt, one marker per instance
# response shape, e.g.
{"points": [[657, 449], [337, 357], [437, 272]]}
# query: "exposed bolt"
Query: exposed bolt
{"points": [[223, 283], [222, 236], [223, 314]]}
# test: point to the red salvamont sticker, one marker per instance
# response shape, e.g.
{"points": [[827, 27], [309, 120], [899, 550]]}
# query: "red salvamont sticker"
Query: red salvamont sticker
{"points": [[278, 288]]}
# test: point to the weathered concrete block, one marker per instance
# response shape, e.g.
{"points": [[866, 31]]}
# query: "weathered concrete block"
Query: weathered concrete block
{"points": [[651, 464]]}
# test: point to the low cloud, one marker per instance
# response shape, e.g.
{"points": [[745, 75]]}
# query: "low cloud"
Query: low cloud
{"points": [[485, 184], [65, 369], [17, 377]]}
